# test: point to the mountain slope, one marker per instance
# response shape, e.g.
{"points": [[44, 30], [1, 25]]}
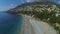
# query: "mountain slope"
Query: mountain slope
{"points": [[31, 5], [45, 11]]}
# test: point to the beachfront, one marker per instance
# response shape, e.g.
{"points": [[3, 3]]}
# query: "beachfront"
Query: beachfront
{"points": [[32, 26]]}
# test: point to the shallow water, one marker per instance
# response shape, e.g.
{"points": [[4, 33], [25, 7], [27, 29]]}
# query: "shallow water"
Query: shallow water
{"points": [[10, 23]]}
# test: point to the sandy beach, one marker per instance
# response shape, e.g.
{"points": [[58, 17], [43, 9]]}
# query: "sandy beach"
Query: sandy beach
{"points": [[32, 26]]}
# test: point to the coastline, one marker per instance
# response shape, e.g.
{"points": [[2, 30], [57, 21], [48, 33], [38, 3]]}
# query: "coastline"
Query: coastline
{"points": [[43, 26], [26, 26]]}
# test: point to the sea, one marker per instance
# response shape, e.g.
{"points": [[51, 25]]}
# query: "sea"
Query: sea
{"points": [[10, 23]]}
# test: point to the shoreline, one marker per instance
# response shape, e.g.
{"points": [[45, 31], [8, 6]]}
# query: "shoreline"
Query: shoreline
{"points": [[26, 26], [44, 27]]}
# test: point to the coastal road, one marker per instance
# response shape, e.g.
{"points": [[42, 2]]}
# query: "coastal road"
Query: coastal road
{"points": [[31, 26]]}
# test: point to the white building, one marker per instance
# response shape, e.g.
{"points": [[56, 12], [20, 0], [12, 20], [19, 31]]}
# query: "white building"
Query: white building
{"points": [[58, 13]]}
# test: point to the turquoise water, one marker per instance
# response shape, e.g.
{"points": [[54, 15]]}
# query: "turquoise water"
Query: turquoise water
{"points": [[10, 23]]}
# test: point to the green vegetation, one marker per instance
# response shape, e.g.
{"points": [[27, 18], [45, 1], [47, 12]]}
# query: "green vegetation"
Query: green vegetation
{"points": [[46, 13]]}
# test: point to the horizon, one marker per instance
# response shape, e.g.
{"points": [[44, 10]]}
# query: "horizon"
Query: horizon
{"points": [[9, 4]]}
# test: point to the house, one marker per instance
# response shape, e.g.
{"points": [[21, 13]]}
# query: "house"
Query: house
{"points": [[58, 13]]}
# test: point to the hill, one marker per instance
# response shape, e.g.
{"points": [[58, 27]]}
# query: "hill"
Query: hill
{"points": [[31, 5], [45, 11]]}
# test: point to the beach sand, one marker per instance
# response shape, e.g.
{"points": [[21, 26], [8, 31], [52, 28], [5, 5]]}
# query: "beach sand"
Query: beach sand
{"points": [[26, 26], [29, 28]]}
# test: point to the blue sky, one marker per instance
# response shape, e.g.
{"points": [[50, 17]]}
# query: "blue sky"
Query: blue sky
{"points": [[8, 4]]}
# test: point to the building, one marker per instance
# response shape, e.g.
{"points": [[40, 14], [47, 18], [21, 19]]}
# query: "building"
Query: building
{"points": [[58, 13]]}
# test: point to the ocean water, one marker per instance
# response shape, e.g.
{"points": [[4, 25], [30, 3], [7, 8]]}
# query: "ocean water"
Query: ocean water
{"points": [[10, 23]]}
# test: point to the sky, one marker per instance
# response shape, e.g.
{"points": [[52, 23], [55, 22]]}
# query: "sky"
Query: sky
{"points": [[9, 4]]}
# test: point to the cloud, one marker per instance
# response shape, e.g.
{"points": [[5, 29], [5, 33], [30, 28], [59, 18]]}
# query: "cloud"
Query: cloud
{"points": [[43, 0], [23, 1], [58, 2], [30, 0], [11, 4]]}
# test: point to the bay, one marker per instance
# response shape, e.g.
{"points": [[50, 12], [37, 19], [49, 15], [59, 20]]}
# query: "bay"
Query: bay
{"points": [[10, 23]]}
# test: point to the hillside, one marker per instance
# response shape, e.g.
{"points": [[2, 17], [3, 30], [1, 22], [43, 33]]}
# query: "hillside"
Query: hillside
{"points": [[31, 5], [45, 11]]}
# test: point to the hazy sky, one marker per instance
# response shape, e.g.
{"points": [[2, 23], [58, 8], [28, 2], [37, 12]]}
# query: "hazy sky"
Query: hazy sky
{"points": [[8, 4]]}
